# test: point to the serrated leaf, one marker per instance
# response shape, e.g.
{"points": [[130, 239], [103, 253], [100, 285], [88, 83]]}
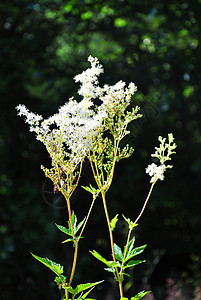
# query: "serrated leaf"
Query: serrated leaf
{"points": [[64, 230], [110, 264], [133, 263], [135, 252], [55, 267], [129, 248], [113, 222], [140, 295], [79, 225], [74, 221], [138, 250], [85, 286], [118, 252]]}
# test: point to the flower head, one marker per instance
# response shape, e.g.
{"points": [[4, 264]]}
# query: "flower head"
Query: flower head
{"points": [[70, 133], [163, 154], [89, 79]]}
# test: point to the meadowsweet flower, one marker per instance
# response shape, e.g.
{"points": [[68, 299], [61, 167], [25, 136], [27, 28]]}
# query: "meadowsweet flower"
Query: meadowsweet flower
{"points": [[156, 172], [70, 134], [163, 153], [166, 149], [89, 79]]}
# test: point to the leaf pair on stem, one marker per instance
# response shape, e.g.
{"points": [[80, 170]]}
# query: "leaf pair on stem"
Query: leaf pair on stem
{"points": [[123, 259]]}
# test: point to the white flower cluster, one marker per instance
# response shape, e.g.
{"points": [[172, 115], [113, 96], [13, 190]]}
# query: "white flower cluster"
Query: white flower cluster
{"points": [[70, 132], [163, 154], [89, 79]]}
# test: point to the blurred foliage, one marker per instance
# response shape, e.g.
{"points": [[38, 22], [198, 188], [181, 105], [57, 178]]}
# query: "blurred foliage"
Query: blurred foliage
{"points": [[155, 44]]}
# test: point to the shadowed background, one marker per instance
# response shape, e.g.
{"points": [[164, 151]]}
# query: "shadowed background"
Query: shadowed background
{"points": [[155, 44]]}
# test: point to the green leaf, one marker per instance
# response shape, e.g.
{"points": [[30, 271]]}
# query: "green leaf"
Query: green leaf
{"points": [[130, 223], [70, 290], [113, 222], [140, 295], [65, 230], [138, 250], [79, 225], [118, 252], [68, 240], [86, 294], [68, 231], [135, 252], [123, 298], [91, 189], [85, 286], [110, 264], [130, 247], [74, 221], [56, 268], [133, 263]]}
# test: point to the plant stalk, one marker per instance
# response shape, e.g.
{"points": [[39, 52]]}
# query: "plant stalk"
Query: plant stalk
{"points": [[128, 239], [74, 263], [112, 243], [145, 203]]}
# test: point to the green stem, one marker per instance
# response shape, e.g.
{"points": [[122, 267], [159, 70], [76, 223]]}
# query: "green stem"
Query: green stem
{"points": [[130, 230], [74, 263], [66, 294], [145, 203], [112, 242], [122, 265], [70, 215], [89, 212], [78, 178]]}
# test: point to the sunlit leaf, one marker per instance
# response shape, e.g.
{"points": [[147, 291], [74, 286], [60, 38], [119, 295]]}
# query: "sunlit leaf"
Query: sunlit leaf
{"points": [[55, 267], [135, 252], [64, 229], [140, 295], [113, 222], [103, 260], [133, 263], [79, 225], [118, 252], [129, 248], [85, 286]]}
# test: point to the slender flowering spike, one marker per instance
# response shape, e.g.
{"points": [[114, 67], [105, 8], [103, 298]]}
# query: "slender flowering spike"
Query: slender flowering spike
{"points": [[166, 149], [163, 154]]}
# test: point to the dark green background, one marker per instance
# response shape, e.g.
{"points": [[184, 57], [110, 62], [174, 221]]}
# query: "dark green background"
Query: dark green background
{"points": [[155, 44]]}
